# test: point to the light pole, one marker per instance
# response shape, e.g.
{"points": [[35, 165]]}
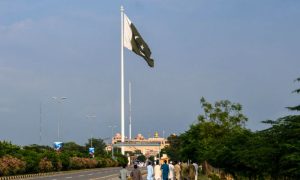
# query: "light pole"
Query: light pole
{"points": [[40, 140], [112, 136], [90, 117], [59, 100]]}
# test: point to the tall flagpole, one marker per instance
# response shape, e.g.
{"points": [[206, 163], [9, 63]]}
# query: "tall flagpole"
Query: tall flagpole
{"points": [[122, 81], [129, 110]]}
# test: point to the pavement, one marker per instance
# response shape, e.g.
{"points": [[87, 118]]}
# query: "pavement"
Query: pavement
{"points": [[93, 174]]}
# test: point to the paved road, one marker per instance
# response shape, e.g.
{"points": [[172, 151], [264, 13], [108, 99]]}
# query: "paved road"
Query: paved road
{"points": [[94, 174]]}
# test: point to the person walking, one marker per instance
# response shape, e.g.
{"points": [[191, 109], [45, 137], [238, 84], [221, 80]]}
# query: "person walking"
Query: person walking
{"points": [[123, 173], [165, 170], [191, 172], [171, 171], [157, 171], [136, 173], [150, 171], [184, 170], [196, 169], [177, 171]]}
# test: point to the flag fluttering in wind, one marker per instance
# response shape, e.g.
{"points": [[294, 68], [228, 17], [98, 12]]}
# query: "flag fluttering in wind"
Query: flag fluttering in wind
{"points": [[134, 41]]}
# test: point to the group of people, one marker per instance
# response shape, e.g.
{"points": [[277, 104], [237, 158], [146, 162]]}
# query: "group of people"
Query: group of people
{"points": [[135, 174], [171, 171]]}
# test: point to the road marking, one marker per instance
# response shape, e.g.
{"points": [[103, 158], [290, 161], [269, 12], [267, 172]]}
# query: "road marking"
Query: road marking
{"points": [[68, 177], [90, 174], [104, 177], [81, 175]]}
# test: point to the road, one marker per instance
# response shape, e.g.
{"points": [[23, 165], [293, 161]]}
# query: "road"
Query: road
{"points": [[94, 174]]}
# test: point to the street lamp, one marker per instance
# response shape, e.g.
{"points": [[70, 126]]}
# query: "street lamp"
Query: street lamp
{"points": [[90, 117], [59, 100], [112, 136]]}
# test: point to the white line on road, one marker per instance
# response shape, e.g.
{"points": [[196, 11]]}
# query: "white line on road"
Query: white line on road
{"points": [[68, 177], [105, 177], [81, 175], [90, 174]]}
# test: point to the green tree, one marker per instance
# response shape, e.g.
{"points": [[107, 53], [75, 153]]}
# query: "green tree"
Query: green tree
{"points": [[284, 135], [172, 150], [74, 149], [99, 146], [151, 158], [217, 122], [297, 107], [141, 158]]}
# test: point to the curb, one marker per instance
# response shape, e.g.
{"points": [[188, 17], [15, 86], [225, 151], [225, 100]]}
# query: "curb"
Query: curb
{"points": [[26, 176]]}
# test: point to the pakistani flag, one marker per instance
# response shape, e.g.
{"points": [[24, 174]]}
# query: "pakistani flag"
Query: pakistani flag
{"points": [[134, 41]]}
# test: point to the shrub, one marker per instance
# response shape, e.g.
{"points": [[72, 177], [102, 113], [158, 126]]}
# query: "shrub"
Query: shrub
{"points": [[65, 160], [80, 163], [10, 165], [45, 165], [32, 160], [101, 162], [54, 158]]}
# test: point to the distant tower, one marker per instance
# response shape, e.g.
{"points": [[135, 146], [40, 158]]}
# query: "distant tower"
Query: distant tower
{"points": [[156, 134]]}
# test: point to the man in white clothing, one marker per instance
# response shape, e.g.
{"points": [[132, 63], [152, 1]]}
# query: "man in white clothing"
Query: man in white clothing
{"points": [[171, 171], [149, 171], [196, 169], [157, 171]]}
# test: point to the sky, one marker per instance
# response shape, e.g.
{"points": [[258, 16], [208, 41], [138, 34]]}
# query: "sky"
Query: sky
{"points": [[244, 51]]}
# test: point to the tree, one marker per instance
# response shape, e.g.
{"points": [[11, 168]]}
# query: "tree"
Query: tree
{"points": [[99, 146], [74, 149], [141, 158], [283, 139], [172, 150], [223, 113], [296, 108], [218, 121]]}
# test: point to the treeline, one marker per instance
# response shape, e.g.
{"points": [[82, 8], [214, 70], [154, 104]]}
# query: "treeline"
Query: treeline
{"points": [[36, 159], [221, 139]]}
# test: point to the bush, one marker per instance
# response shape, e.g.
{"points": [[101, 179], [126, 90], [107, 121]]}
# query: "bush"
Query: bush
{"points": [[122, 160], [101, 162], [65, 160], [54, 158], [81, 163], [10, 166], [45, 165]]}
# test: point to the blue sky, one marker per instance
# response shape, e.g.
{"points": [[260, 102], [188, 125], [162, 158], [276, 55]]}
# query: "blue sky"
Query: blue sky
{"points": [[244, 51]]}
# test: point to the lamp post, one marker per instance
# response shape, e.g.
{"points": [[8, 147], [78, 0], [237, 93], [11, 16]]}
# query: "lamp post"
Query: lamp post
{"points": [[90, 117], [59, 100], [112, 136]]}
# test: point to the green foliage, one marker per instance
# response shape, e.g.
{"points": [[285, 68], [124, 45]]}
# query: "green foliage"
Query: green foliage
{"points": [[74, 149], [121, 159], [32, 159], [295, 108], [223, 113], [99, 146], [172, 149], [65, 160], [53, 156], [36, 158], [151, 158], [8, 148], [141, 158], [220, 138]]}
